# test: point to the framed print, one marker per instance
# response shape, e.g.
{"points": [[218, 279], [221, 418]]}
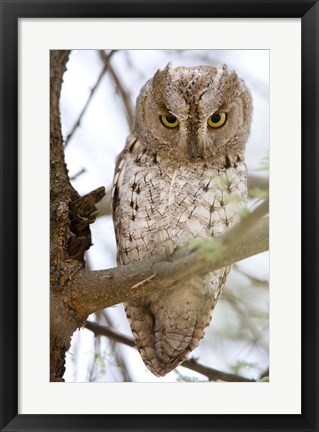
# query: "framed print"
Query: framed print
{"points": [[221, 88]]}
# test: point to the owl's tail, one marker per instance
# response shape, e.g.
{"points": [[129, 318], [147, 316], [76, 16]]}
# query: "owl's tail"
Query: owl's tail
{"points": [[165, 331]]}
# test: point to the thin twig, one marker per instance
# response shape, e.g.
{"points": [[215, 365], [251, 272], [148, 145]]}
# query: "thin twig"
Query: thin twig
{"points": [[255, 281], [121, 90], [139, 284], [114, 346], [210, 373], [76, 175], [78, 121], [214, 374], [99, 330], [242, 314]]}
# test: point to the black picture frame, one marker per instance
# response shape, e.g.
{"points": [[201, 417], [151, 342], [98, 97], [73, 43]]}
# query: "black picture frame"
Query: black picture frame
{"points": [[11, 11]]}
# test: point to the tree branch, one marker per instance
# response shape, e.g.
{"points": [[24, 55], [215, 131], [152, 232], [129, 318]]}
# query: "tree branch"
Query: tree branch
{"points": [[210, 373], [94, 290], [83, 212], [104, 207]]}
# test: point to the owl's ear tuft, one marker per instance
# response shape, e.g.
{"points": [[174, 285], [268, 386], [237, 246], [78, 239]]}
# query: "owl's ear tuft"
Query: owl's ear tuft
{"points": [[226, 80], [167, 92], [161, 81]]}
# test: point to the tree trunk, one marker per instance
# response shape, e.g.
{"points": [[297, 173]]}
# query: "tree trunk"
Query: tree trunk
{"points": [[70, 236]]}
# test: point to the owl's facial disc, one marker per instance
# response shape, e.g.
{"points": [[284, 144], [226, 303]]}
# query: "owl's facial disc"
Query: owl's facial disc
{"points": [[194, 114]]}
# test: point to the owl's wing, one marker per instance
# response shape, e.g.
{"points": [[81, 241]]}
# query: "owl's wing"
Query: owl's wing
{"points": [[139, 314], [122, 171]]}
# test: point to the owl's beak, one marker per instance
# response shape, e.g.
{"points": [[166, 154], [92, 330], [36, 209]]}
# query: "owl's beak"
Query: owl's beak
{"points": [[194, 150]]}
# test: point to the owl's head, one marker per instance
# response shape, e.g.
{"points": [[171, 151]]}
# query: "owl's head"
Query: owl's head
{"points": [[191, 114]]}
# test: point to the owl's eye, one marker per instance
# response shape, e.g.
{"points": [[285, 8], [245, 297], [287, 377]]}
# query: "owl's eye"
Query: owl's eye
{"points": [[217, 120], [169, 121]]}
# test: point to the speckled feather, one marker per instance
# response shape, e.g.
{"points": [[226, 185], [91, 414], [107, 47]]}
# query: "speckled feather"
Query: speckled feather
{"points": [[170, 188]]}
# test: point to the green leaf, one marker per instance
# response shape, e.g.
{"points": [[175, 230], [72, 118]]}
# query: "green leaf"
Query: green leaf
{"points": [[264, 379], [242, 364], [264, 164], [258, 193]]}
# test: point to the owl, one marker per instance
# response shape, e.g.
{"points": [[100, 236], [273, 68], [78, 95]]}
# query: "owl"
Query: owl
{"points": [[181, 175]]}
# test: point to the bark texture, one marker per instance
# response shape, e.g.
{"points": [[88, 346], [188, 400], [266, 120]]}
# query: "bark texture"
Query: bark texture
{"points": [[70, 216]]}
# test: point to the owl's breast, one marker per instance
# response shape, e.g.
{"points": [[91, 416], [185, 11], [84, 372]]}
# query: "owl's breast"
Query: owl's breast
{"points": [[159, 205]]}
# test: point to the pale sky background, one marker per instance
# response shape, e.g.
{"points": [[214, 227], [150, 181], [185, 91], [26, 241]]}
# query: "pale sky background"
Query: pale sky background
{"points": [[232, 341]]}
